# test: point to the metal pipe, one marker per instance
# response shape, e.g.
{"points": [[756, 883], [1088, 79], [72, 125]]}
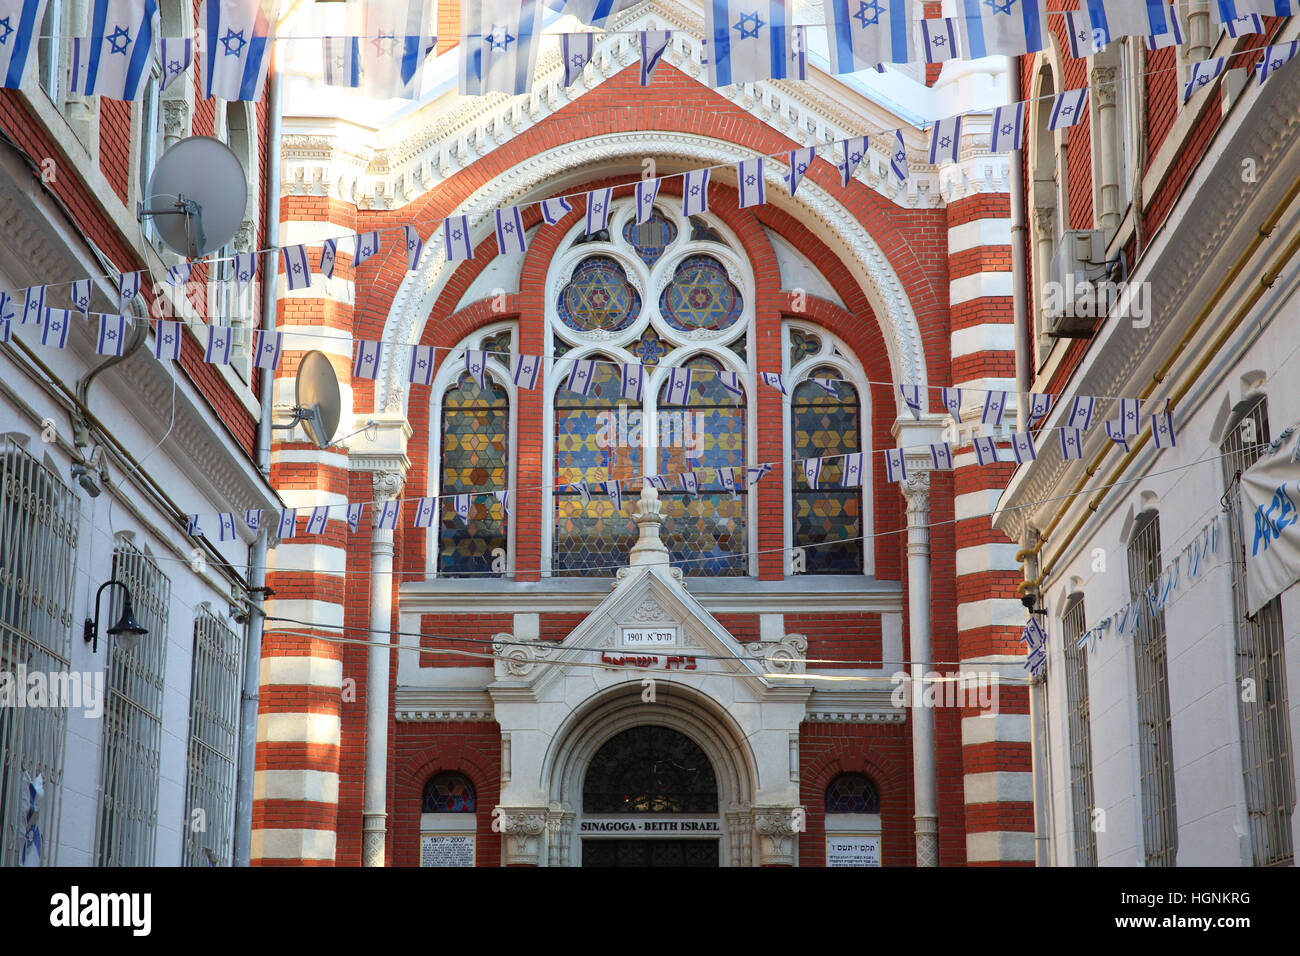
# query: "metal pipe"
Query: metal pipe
{"points": [[1019, 313]]}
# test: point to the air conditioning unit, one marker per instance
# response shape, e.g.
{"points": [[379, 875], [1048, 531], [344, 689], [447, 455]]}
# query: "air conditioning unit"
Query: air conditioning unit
{"points": [[1077, 293]]}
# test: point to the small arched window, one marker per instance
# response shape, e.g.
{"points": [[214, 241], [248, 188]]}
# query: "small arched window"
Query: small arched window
{"points": [[852, 793], [449, 792], [475, 444], [826, 423]]}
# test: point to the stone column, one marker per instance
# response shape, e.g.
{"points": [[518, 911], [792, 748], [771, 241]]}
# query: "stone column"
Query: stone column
{"points": [[1107, 134], [924, 771], [387, 484]]}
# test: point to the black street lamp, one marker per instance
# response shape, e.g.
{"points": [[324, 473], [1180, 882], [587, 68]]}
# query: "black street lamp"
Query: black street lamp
{"points": [[127, 630]]}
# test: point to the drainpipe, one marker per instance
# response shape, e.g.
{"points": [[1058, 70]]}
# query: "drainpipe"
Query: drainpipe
{"points": [[257, 558], [1024, 336]]}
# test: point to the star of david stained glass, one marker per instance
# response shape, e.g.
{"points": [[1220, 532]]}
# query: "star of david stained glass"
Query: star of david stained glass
{"points": [[599, 296]]}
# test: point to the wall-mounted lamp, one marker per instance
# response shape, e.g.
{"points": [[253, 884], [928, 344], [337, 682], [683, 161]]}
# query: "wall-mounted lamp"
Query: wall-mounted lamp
{"points": [[127, 630]]}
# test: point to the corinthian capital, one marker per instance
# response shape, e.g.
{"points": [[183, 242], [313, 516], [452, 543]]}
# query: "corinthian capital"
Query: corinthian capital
{"points": [[386, 484], [1103, 85], [916, 488]]}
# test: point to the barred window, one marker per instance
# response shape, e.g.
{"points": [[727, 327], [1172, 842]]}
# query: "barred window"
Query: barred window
{"points": [[1266, 755], [128, 815], [214, 737], [39, 517], [1076, 684], [1155, 727]]}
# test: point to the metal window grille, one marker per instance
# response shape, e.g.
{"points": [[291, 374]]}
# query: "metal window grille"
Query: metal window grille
{"points": [[1076, 684], [128, 817], [1266, 755], [214, 735], [1155, 726], [39, 518]]}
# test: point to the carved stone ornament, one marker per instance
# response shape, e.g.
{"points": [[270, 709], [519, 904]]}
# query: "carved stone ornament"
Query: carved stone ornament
{"points": [[517, 661], [916, 488], [783, 657], [522, 830], [775, 827], [386, 484]]}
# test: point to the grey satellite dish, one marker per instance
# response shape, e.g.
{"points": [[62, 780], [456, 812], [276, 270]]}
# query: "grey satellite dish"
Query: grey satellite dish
{"points": [[317, 394], [196, 196]]}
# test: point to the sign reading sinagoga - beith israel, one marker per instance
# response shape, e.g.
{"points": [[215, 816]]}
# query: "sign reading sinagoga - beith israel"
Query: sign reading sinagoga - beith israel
{"points": [[649, 636], [446, 849], [638, 826]]}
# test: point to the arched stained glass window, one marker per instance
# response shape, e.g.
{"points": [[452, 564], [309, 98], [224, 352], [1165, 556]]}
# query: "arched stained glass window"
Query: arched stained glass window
{"points": [[449, 792], [475, 441], [700, 296], [650, 769], [706, 432], [852, 793], [650, 238], [599, 296], [595, 441], [824, 425]]}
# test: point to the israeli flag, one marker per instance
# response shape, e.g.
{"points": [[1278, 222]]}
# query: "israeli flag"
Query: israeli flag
{"points": [[81, 296], [1225, 10], [812, 471], [414, 246], [33, 845], [366, 364], [945, 140], [176, 55], [1009, 27], [510, 231], [895, 466], [828, 386], [800, 160], [220, 340], [342, 59], [526, 369], [855, 150], [288, 524], [939, 39], [995, 404], [34, 305], [679, 386], [695, 192], [941, 456], [581, 488], [476, 366], [1008, 128], [582, 376], [1071, 443], [329, 251], [657, 481], [455, 237], [253, 519], [1081, 410], [1068, 108], [1162, 429], [399, 33], [1244, 26], [1033, 635], [1083, 40], [320, 516], [898, 159], [1276, 57], [245, 268], [179, 274], [1022, 446], [297, 270], [267, 347], [863, 35], [633, 381], [22, 19], [852, 476], [730, 383], [503, 499], [390, 512], [192, 527], [654, 44], [577, 50], [647, 190], [615, 492], [56, 325], [1040, 404], [912, 399], [1112, 19], [167, 341], [116, 59], [498, 48], [986, 451], [598, 210], [236, 37], [951, 398], [421, 371], [757, 473], [1204, 72], [690, 482], [424, 508], [749, 180], [773, 380], [1173, 36], [112, 330], [553, 210], [750, 40], [1115, 432], [727, 478], [354, 516], [128, 287], [1129, 417], [367, 244]]}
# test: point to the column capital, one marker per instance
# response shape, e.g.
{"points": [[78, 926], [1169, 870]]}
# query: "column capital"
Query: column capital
{"points": [[916, 488], [776, 828], [522, 834], [1103, 85], [387, 483]]}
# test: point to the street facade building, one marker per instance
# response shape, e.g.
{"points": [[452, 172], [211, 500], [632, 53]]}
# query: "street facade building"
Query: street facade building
{"points": [[1165, 724]]}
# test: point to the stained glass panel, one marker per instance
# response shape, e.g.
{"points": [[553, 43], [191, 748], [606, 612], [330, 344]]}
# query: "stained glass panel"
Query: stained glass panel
{"points": [[706, 532], [651, 237], [597, 438], [802, 345], [700, 296], [651, 348], [599, 296], [449, 793], [650, 769], [823, 426], [852, 793], [475, 427]]}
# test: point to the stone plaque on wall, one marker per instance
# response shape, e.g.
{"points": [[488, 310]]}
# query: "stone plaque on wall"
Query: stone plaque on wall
{"points": [[855, 850], [447, 849]]}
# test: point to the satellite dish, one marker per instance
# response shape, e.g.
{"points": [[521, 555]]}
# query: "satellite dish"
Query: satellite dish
{"points": [[196, 196], [316, 392]]}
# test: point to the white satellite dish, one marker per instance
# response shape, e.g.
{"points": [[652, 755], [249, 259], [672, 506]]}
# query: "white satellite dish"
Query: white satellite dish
{"points": [[196, 196], [316, 391]]}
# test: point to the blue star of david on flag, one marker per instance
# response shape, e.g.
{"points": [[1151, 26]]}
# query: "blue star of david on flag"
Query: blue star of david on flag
{"points": [[865, 33], [421, 371]]}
